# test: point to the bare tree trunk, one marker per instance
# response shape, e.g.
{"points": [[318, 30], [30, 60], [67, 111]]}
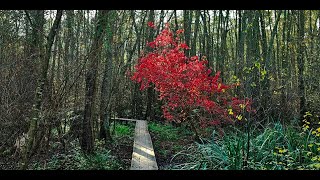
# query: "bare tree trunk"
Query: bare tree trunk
{"points": [[37, 109], [300, 60], [266, 82], [195, 36], [187, 18], [87, 141], [150, 92], [105, 111]]}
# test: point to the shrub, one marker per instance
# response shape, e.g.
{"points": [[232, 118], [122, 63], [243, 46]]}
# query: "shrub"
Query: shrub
{"points": [[188, 90]]}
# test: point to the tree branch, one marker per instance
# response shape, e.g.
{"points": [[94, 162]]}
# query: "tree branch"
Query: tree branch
{"points": [[29, 19]]}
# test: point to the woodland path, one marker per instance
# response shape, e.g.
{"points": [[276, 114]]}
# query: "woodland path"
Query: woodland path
{"points": [[143, 157]]}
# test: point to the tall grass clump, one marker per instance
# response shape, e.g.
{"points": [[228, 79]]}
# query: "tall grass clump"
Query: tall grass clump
{"points": [[274, 147]]}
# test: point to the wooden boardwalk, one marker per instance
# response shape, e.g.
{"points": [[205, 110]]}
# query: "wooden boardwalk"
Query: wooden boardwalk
{"points": [[143, 157]]}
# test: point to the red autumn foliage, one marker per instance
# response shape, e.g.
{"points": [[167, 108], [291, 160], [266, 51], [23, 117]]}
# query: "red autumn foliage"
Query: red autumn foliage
{"points": [[185, 84], [151, 24]]}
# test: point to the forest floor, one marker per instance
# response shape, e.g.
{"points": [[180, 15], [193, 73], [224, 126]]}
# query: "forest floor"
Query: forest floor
{"points": [[167, 141], [276, 146], [123, 143], [113, 156], [7, 163]]}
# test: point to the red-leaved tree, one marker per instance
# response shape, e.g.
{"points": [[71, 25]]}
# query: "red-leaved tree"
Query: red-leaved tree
{"points": [[188, 91]]}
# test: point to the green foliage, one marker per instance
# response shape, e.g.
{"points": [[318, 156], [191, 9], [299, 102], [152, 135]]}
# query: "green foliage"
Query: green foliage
{"points": [[167, 132], [123, 130], [202, 156], [257, 65], [275, 148], [311, 128], [164, 133], [167, 141]]}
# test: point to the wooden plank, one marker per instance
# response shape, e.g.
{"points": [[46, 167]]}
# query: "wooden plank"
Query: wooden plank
{"points": [[143, 156], [125, 119]]}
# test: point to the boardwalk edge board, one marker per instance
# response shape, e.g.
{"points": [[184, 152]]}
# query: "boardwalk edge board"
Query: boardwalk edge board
{"points": [[143, 156]]}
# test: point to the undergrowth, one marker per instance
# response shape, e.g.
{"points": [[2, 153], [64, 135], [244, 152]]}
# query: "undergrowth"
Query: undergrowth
{"points": [[275, 147]]}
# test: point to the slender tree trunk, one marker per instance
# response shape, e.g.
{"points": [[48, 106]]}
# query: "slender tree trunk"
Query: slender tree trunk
{"points": [[240, 50], [266, 81], [105, 113], [300, 61], [187, 18], [196, 28], [87, 141], [150, 92], [176, 20]]}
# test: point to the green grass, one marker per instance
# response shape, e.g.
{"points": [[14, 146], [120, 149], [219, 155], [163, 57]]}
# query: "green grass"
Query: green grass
{"points": [[167, 132], [124, 130], [275, 147], [168, 140]]}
